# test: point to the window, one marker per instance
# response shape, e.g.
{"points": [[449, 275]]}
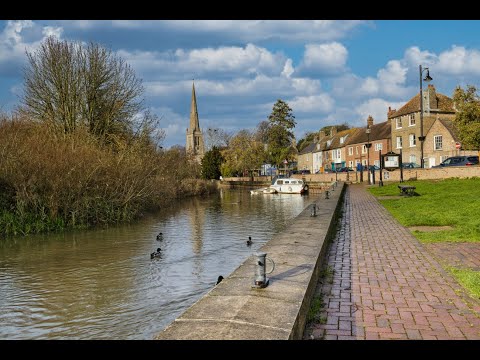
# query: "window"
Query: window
{"points": [[376, 163], [378, 147], [350, 150], [412, 120], [437, 142], [364, 162], [329, 142], [350, 164], [443, 157], [364, 149], [413, 140], [356, 150], [399, 122], [342, 139], [399, 142], [413, 159]]}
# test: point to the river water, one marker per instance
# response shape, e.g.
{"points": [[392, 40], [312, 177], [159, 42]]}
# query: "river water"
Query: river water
{"points": [[102, 284]]}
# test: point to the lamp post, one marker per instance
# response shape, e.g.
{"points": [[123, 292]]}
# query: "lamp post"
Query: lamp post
{"points": [[421, 138], [368, 145]]}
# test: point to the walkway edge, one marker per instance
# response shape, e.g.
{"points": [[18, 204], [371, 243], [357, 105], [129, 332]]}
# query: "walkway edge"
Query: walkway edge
{"points": [[235, 310]]}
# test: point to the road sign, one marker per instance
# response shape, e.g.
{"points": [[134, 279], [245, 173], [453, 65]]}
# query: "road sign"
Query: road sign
{"points": [[458, 145]]}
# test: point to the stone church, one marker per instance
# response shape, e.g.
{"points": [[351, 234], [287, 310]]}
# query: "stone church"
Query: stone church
{"points": [[195, 143]]}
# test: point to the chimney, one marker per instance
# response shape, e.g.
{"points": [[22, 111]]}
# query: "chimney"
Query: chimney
{"points": [[370, 121], [321, 134], [333, 130], [390, 111], [432, 94], [315, 139]]}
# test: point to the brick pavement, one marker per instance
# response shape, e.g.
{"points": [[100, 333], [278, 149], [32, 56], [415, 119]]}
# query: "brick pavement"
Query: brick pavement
{"points": [[458, 254], [385, 284]]}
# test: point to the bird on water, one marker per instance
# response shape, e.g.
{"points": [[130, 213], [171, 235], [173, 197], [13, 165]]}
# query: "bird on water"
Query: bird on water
{"points": [[249, 241], [220, 278], [156, 253], [160, 236]]}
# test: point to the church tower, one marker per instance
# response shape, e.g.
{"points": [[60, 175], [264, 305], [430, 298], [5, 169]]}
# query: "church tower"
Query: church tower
{"points": [[194, 135]]}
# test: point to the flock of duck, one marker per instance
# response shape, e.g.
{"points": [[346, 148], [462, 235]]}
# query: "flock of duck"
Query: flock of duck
{"points": [[158, 253]]}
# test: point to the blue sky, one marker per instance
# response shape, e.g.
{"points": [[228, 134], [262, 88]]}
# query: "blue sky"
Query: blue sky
{"points": [[329, 72]]}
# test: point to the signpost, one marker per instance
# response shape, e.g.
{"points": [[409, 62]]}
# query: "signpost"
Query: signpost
{"points": [[458, 145]]}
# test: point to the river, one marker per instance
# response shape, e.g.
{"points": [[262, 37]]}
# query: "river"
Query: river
{"points": [[102, 284]]}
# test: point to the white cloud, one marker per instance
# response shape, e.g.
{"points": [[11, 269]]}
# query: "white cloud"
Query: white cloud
{"points": [[324, 58], [288, 68], [13, 44], [244, 30], [228, 60], [459, 61], [322, 103], [377, 108]]}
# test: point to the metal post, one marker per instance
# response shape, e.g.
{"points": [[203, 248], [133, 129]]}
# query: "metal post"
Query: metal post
{"points": [[368, 157], [380, 182], [401, 167], [421, 138]]}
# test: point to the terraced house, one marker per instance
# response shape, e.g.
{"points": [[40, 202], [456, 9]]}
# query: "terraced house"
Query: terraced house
{"points": [[379, 138]]}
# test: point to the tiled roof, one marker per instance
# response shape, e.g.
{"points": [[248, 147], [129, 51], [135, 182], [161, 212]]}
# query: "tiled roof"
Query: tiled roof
{"points": [[336, 138], [450, 126], [378, 132], [443, 104], [308, 149]]}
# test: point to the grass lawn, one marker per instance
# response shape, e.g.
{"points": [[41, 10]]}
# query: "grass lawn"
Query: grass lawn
{"points": [[452, 202], [469, 279]]}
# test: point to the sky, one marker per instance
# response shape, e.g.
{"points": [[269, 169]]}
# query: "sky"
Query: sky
{"points": [[328, 71]]}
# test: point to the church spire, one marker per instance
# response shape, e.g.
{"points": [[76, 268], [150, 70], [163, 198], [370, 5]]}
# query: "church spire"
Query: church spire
{"points": [[194, 125]]}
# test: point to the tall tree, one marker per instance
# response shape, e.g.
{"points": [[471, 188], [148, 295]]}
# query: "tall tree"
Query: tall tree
{"points": [[217, 137], [467, 118], [280, 134], [71, 84], [211, 163]]}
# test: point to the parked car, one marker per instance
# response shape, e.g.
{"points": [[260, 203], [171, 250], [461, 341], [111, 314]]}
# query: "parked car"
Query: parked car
{"points": [[410, 165], [459, 161], [345, 169]]}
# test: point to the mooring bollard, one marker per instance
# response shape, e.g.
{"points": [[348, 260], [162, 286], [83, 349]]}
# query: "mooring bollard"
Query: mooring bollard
{"points": [[261, 280], [326, 194], [314, 210]]}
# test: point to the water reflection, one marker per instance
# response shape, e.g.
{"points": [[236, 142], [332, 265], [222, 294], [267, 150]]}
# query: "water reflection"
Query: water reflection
{"points": [[102, 284]]}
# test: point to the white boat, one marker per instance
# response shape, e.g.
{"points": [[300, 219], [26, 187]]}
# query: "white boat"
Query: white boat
{"points": [[289, 185], [267, 190]]}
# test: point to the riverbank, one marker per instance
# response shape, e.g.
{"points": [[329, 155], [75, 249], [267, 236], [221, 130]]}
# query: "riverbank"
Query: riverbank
{"points": [[51, 181]]}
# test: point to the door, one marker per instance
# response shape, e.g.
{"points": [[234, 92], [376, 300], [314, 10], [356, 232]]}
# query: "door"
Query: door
{"points": [[431, 162]]}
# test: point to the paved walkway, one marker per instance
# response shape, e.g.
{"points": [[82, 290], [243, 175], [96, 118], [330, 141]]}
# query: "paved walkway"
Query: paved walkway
{"points": [[461, 255], [385, 284]]}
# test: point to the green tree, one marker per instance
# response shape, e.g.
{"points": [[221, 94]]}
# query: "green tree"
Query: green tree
{"points": [[69, 84], [243, 154], [467, 117], [280, 134], [211, 164]]}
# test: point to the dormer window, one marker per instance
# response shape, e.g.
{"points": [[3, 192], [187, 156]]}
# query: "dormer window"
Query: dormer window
{"points": [[342, 139], [399, 122], [329, 142]]}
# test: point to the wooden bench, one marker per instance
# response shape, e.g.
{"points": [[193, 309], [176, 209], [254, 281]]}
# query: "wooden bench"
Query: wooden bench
{"points": [[407, 190]]}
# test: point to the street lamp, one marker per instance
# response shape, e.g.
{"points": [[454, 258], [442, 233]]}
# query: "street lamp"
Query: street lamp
{"points": [[368, 145], [421, 138]]}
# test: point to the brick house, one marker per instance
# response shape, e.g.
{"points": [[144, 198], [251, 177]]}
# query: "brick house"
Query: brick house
{"points": [[334, 154], [405, 124], [380, 138], [440, 143]]}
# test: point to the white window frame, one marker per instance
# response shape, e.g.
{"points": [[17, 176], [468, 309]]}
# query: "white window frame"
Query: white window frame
{"points": [[398, 121], [410, 122], [342, 139], [435, 142], [414, 138], [413, 158], [364, 149], [399, 142], [376, 163], [350, 150], [378, 146], [356, 150], [350, 164]]}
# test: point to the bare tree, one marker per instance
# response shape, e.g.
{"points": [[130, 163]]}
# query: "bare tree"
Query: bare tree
{"points": [[217, 137], [70, 84]]}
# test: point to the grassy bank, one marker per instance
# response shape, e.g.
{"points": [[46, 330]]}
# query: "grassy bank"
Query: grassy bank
{"points": [[51, 181], [449, 202]]}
